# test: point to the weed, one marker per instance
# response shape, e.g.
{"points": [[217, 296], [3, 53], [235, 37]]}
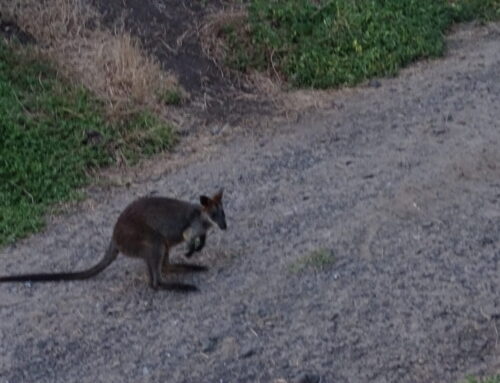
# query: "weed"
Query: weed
{"points": [[145, 134], [171, 97], [318, 260]]}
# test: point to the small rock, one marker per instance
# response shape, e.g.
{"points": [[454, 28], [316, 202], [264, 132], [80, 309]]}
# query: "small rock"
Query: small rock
{"points": [[308, 378], [428, 224], [438, 131], [209, 344], [263, 312], [247, 351], [239, 309]]}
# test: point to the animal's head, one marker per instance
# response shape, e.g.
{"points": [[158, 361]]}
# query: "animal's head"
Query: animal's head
{"points": [[214, 208]]}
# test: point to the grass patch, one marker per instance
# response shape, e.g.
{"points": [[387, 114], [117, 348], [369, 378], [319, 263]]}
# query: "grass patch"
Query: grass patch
{"points": [[469, 10], [110, 63], [492, 379], [145, 134], [171, 97], [51, 135], [328, 43], [317, 260]]}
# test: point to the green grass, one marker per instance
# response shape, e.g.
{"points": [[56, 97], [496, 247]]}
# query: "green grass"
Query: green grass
{"points": [[144, 135], [482, 10], [329, 43], [492, 379], [172, 97], [44, 122], [317, 260]]}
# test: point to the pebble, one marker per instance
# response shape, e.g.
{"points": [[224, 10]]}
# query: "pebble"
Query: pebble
{"points": [[209, 344], [247, 351]]}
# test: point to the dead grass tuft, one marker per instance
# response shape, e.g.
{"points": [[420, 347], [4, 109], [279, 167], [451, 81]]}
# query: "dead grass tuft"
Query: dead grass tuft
{"points": [[112, 64], [211, 33]]}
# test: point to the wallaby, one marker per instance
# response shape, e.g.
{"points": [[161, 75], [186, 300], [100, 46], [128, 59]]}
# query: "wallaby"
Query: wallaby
{"points": [[148, 228]]}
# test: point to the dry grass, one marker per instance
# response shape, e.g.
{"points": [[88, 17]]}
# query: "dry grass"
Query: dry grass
{"points": [[211, 33], [112, 64], [213, 42]]}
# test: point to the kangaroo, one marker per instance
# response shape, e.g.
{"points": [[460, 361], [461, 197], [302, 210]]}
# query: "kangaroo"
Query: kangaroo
{"points": [[148, 228]]}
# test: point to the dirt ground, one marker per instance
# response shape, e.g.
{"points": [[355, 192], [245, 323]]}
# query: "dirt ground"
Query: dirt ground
{"points": [[400, 183], [171, 30]]}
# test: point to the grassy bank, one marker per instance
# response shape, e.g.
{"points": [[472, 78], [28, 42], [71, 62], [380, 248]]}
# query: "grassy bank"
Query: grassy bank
{"points": [[52, 134], [329, 43], [108, 61]]}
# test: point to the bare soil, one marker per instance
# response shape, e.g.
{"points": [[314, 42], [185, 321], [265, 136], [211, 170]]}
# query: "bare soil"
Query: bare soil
{"points": [[170, 30], [400, 183]]}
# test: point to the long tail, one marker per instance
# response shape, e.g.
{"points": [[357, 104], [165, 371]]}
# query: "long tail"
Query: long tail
{"points": [[109, 257]]}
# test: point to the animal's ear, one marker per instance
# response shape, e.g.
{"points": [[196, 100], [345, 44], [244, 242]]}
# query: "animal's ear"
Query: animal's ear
{"points": [[205, 201], [218, 196]]}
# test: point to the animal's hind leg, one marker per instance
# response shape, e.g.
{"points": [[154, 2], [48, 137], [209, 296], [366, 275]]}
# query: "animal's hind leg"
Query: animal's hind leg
{"points": [[153, 275], [157, 259]]}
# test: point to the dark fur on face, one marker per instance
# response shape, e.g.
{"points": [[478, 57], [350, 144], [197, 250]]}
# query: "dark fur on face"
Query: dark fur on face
{"points": [[214, 208]]}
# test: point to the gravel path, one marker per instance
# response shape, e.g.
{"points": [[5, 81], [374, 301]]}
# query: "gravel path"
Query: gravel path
{"points": [[397, 188]]}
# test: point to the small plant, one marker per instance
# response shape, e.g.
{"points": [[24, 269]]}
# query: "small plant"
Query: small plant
{"points": [[171, 97], [145, 134], [317, 260]]}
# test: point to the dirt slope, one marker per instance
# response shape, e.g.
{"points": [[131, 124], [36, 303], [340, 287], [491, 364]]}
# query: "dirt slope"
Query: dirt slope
{"points": [[170, 30], [401, 183]]}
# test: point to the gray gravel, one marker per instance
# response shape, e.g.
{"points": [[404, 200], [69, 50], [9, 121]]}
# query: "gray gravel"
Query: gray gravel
{"points": [[400, 182]]}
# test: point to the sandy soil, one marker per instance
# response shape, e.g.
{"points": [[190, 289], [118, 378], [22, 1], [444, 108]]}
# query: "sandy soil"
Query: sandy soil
{"points": [[400, 183]]}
